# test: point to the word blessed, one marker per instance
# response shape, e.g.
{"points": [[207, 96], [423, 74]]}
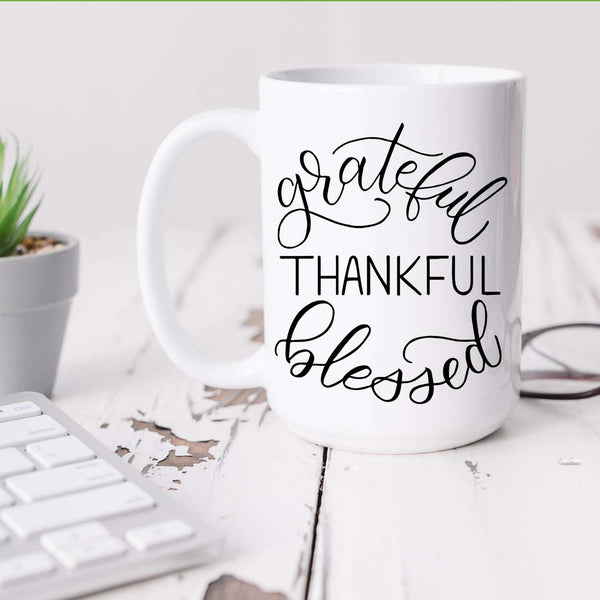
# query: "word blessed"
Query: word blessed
{"points": [[391, 274], [471, 356], [381, 166]]}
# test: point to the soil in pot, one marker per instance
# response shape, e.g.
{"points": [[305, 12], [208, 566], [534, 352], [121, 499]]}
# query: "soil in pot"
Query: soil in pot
{"points": [[38, 244]]}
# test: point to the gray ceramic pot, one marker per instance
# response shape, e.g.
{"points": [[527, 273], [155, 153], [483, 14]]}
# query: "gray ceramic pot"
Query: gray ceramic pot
{"points": [[35, 298]]}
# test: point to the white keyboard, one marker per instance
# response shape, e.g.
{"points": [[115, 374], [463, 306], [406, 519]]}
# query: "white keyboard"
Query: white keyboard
{"points": [[74, 518]]}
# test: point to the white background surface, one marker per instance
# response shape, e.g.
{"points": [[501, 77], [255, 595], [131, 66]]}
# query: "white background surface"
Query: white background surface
{"points": [[93, 88], [514, 516]]}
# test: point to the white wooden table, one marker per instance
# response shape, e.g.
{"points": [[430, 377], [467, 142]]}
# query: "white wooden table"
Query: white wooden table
{"points": [[498, 519]]}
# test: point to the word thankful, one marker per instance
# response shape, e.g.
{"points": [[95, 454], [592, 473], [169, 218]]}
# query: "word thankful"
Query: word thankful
{"points": [[393, 275], [382, 167], [341, 367]]}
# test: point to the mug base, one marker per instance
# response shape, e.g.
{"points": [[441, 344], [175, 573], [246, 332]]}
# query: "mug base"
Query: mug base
{"points": [[365, 444]]}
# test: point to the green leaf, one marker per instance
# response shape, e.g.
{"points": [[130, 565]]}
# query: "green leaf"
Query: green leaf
{"points": [[15, 211], [15, 195], [18, 234], [2, 147]]}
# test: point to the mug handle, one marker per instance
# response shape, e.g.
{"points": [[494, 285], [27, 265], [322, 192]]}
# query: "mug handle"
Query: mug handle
{"points": [[245, 372]]}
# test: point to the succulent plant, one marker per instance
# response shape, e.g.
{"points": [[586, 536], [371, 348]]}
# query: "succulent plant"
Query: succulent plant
{"points": [[17, 190]]}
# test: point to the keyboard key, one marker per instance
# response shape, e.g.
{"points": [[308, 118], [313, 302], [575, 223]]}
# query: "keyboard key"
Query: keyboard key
{"points": [[18, 410], [60, 451], [63, 480], [13, 462], [77, 534], [5, 499], [33, 429], [4, 535], [117, 499], [83, 544], [90, 552], [25, 566], [157, 534]]}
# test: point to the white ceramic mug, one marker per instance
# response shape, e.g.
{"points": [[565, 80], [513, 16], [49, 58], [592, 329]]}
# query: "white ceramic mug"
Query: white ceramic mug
{"points": [[391, 249]]}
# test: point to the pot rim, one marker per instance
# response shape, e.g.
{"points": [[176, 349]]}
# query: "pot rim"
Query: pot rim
{"points": [[70, 241]]}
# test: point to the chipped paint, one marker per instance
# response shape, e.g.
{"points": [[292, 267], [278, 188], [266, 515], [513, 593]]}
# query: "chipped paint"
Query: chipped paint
{"points": [[223, 398], [228, 587], [198, 451], [122, 450], [473, 466], [256, 319], [569, 461]]}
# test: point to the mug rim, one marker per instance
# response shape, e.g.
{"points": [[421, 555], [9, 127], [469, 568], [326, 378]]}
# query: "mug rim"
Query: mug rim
{"points": [[394, 75]]}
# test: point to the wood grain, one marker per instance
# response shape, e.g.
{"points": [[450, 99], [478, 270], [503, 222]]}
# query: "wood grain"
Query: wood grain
{"points": [[513, 516]]}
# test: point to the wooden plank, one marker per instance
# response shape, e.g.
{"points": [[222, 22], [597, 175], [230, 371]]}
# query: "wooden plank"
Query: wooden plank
{"points": [[513, 516], [489, 520], [221, 453]]}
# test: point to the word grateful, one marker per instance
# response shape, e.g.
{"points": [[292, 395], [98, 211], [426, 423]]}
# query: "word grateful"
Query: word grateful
{"points": [[416, 177]]}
